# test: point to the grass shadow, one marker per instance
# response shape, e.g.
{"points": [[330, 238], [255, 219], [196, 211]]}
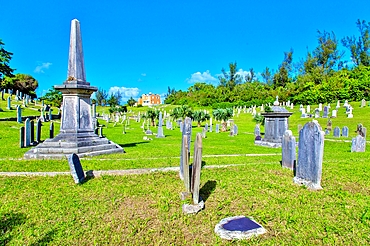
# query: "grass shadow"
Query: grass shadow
{"points": [[207, 189], [46, 239], [7, 223]]}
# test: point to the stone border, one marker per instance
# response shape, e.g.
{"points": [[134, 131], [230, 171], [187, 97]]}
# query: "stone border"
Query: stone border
{"points": [[231, 235]]}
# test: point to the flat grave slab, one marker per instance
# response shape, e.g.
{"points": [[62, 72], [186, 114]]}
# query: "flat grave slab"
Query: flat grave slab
{"points": [[238, 227]]}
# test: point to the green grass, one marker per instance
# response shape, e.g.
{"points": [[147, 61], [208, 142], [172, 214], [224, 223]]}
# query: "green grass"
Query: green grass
{"points": [[146, 209]]}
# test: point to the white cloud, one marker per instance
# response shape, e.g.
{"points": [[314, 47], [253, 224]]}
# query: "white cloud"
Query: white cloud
{"points": [[41, 68], [143, 74], [202, 77], [243, 73], [126, 92]]}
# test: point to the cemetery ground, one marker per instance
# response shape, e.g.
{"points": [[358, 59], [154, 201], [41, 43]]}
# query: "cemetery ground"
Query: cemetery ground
{"points": [[146, 209]]}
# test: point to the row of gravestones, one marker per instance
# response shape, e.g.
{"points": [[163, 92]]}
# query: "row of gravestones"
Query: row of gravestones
{"points": [[27, 133], [308, 167], [48, 117]]}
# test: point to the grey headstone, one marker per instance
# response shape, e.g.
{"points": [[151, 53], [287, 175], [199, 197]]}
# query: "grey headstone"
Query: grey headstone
{"points": [[336, 132], [206, 127], [358, 144], [257, 131], [204, 133], [235, 129], [197, 165], [8, 103], [27, 133], [21, 137], [19, 114], [288, 150], [310, 156], [38, 130], [185, 160], [217, 128], [50, 114], [326, 112], [345, 131], [317, 113], [93, 114], [76, 168]]}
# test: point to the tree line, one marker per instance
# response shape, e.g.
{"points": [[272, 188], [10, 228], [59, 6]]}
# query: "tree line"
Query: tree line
{"points": [[322, 76]]}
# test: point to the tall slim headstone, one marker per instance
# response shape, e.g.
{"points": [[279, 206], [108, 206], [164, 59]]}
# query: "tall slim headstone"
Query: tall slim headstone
{"points": [[217, 128], [21, 137], [185, 161], [51, 131], [310, 156], [326, 112], [288, 150], [27, 133], [257, 131], [187, 125], [8, 103], [197, 165], [160, 127], [19, 114], [32, 131], [38, 130]]}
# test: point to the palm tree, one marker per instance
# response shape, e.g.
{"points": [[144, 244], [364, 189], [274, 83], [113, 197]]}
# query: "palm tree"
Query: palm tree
{"points": [[182, 112], [223, 114], [152, 114], [200, 116]]}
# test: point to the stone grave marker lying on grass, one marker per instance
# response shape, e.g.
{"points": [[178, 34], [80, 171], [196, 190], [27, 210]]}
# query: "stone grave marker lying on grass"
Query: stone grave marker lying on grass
{"points": [[238, 227], [310, 156], [288, 150], [345, 131], [358, 144], [194, 180], [336, 132], [77, 172]]}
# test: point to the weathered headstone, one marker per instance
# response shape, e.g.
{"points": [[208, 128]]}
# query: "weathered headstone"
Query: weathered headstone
{"points": [[288, 150], [204, 133], [235, 129], [326, 112], [217, 128], [21, 137], [320, 106], [358, 144], [257, 130], [185, 160], [329, 125], [345, 131], [76, 168], [160, 127], [27, 133], [38, 131], [32, 132], [334, 113], [317, 113], [51, 131], [187, 127], [303, 111], [197, 165], [336, 132], [19, 114], [361, 130], [8, 103], [310, 156], [308, 109], [363, 103]]}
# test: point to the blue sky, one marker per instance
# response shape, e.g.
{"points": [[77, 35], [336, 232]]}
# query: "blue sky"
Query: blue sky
{"points": [[145, 46]]}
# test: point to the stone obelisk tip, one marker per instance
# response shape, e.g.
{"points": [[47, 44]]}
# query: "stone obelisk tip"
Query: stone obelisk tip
{"points": [[76, 66]]}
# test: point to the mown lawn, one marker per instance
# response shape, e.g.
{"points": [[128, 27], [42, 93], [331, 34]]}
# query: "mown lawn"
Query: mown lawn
{"points": [[146, 209]]}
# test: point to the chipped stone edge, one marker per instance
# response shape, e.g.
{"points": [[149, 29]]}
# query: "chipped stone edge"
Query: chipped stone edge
{"points": [[192, 208], [231, 235], [309, 184]]}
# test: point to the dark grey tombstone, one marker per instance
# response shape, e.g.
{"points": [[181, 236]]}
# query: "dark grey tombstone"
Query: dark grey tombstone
{"points": [[51, 135], [358, 144], [76, 168], [310, 156], [345, 131], [257, 131], [21, 135], [38, 130], [50, 114], [32, 131], [187, 127], [19, 114], [326, 112], [197, 165], [288, 150], [27, 133], [217, 128], [336, 132]]}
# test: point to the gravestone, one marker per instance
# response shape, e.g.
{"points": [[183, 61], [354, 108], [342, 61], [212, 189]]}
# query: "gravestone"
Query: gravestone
{"points": [[288, 150], [361, 130], [320, 107], [317, 113], [329, 125], [21, 137], [38, 130], [257, 130], [185, 160], [187, 127], [327, 132], [8, 103], [363, 103], [19, 114], [27, 133], [336, 132], [204, 133], [308, 109], [235, 129], [334, 113], [338, 104], [32, 132], [206, 127], [326, 112], [51, 131], [292, 106], [358, 144], [217, 128], [210, 125], [303, 113], [160, 127], [310, 156], [345, 131], [238, 227], [75, 166]]}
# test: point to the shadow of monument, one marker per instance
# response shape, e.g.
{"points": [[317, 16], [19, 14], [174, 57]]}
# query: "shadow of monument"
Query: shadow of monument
{"points": [[133, 144], [9, 221], [47, 238], [207, 189]]}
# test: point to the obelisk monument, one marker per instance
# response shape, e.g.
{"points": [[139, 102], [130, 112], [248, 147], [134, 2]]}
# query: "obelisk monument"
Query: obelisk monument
{"points": [[76, 133]]}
